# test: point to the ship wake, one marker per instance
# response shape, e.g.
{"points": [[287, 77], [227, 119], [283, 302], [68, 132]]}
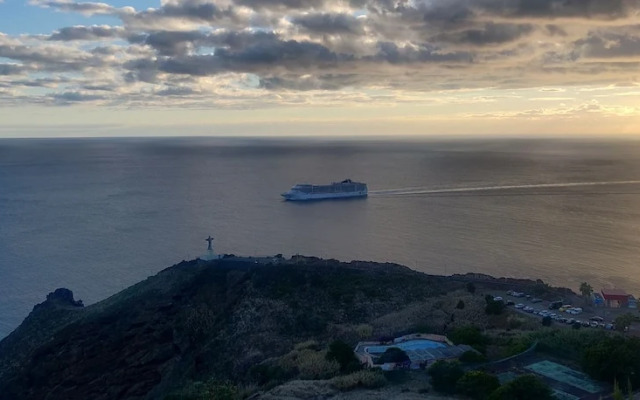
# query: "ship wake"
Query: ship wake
{"points": [[479, 189]]}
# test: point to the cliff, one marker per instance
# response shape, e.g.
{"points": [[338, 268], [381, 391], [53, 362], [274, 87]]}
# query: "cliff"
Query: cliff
{"points": [[196, 321], [192, 321]]}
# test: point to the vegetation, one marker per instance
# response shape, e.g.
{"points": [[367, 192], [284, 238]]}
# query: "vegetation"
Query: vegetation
{"points": [[617, 392], [445, 375], [614, 359], [524, 387], [343, 353], [477, 384], [460, 305], [394, 355], [470, 335], [368, 379], [546, 320], [210, 390], [566, 343], [586, 290], [472, 357], [493, 307], [471, 288], [624, 321]]}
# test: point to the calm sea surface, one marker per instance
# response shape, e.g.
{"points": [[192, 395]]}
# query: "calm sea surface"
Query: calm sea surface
{"points": [[98, 215]]}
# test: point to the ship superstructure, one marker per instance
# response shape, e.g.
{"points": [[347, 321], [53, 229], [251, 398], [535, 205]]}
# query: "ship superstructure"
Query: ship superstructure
{"points": [[337, 190]]}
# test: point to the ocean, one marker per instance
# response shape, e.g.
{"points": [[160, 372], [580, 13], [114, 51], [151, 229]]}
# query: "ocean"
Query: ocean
{"points": [[98, 215]]}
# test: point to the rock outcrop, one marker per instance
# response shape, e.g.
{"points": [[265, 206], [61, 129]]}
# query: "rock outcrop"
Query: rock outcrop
{"points": [[194, 321]]}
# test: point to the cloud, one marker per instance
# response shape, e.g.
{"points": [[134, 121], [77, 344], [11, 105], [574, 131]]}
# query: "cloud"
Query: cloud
{"points": [[49, 58], [608, 45], [185, 49], [74, 97], [87, 8], [324, 23], [87, 33], [11, 69], [489, 34]]}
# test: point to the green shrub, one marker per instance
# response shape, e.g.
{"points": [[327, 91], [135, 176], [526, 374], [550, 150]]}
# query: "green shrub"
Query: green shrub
{"points": [[567, 343], [444, 376], [624, 321], [210, 390], [460, 305], [393, 355], [368, 379], [472, 357], [614, 359], [493, 307], [546, 320], [270, 375], [307, 364], [471, 288], [471, 335], [344, 355], [477, 384], [524, 387], [309, 344]]}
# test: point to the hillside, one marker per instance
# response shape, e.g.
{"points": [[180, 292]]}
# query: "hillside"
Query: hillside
{"points": [[196, 321]]}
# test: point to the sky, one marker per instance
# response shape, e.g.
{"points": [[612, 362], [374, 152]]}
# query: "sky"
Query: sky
{"points": [[319, 67]]}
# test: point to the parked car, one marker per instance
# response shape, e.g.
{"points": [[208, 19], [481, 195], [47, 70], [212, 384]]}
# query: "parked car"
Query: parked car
{"points": [[554, 305], [497, 298], [510, 303], [536, 300], [519, 305], [596, 319]]}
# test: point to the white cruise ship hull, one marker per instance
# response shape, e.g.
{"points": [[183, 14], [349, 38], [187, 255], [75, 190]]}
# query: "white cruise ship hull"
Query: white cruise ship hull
{"points": [[336, 190], [297, 196]]}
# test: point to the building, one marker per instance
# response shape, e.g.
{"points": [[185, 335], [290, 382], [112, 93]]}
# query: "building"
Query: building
{"points": [[632, 302], [597, 299], [422, 349], [615, 297]]}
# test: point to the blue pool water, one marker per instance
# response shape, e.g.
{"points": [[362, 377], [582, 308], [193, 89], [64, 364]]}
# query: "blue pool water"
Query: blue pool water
{"points": [[408, 346]]}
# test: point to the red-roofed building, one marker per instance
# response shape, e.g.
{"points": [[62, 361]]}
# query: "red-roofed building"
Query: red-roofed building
{"points": [[615, 297]]}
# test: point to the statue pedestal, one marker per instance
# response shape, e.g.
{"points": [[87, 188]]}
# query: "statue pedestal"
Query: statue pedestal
{"points": [[209, 255]]}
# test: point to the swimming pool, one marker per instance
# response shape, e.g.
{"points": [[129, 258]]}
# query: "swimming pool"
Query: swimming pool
{"points": [[407, 346]]}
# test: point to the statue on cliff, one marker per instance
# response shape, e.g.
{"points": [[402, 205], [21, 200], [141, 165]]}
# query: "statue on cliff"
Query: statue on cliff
{"points": [[209, 239], [209, 255]]}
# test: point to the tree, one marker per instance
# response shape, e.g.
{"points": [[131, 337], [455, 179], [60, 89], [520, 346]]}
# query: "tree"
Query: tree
{"points": [[477, 384], [586, 290], [471, 335], [445, 375], [394, 355], [494, 307], [344, 355], [460, 305], [546, 320], [524, 387], [471, 288], [624, 321]]}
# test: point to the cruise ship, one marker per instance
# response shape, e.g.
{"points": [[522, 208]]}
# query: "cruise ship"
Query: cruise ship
{"points": [[336, 190]]}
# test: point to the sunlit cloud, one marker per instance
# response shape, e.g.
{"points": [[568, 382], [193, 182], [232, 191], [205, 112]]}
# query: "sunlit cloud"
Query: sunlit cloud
{"points": [[250, 54]]}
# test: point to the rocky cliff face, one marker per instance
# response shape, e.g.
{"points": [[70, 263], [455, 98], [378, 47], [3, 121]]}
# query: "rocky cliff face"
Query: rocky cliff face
{"points": [[194, 321]]}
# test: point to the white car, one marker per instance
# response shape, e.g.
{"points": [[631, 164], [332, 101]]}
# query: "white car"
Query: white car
{"points": [[519, 306], [497, 298]]}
